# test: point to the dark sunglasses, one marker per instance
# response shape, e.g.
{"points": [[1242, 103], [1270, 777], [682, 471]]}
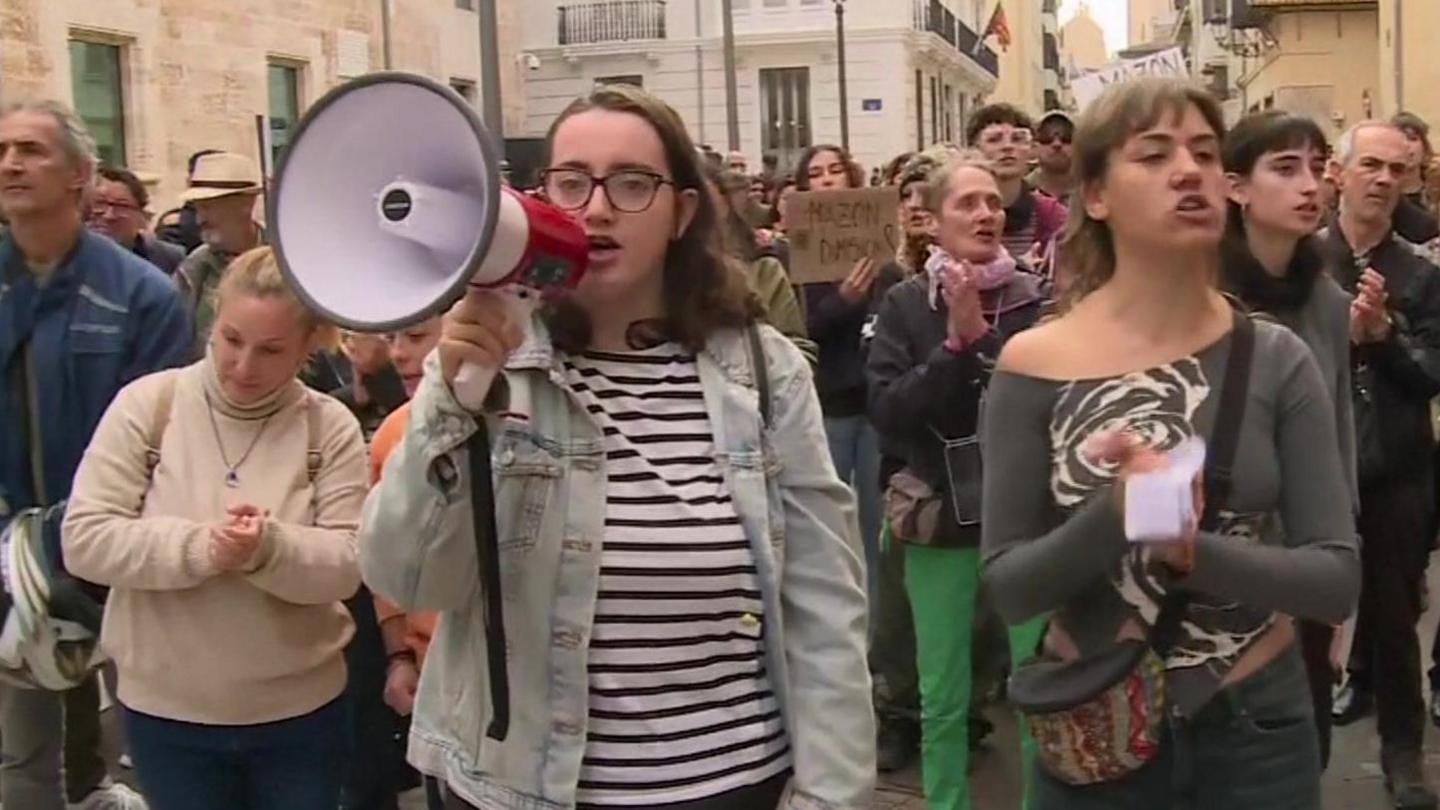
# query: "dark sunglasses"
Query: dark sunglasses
{"points": [[1047, 138]]}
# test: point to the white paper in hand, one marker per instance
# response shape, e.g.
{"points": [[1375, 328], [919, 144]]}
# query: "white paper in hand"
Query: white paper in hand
{"points": [[1160, 505]]}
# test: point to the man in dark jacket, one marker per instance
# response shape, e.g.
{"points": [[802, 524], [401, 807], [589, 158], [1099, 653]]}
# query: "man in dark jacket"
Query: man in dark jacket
{"points": [[1395, 330], [79, 319], [120, 209]]}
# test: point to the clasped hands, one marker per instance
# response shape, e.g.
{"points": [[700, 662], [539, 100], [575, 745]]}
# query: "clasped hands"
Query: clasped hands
{"points": [[235, 542]]}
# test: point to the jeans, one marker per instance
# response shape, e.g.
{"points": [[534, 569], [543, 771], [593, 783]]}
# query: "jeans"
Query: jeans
{"points": [[855, 449], [297, 764], [1252, 746], [40, 731]]}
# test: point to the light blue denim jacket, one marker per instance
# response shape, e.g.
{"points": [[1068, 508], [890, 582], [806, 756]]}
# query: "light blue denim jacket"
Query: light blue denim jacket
{"points": [[417, 548]]}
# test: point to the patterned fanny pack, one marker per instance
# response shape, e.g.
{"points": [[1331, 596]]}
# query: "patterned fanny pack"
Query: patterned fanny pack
{"points": [[1096, 719]]}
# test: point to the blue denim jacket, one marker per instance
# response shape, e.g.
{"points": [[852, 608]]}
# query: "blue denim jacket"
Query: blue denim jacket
{"points": [[104, 317], [417, 548]]}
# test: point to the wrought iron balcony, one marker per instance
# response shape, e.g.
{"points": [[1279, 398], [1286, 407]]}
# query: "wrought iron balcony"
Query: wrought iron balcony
{"points": [[933, 16], [615, 21]]}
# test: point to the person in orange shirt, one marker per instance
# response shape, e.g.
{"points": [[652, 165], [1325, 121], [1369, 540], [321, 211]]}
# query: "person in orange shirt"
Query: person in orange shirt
{"points": [[406, 636]]}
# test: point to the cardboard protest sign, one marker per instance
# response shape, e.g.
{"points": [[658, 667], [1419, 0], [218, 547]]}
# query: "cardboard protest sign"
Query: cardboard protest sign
{"points": [[831, 230]]}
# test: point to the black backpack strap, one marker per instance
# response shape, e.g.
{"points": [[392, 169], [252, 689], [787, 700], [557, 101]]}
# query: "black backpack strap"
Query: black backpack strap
{"points": [[1219, 467]]}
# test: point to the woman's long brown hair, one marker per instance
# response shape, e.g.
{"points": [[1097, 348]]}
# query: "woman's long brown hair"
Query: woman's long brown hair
{"points": [[702, 290], [1088, 253]]}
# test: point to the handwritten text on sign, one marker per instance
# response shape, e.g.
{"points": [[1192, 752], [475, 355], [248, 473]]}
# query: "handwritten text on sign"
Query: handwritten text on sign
{"points": [[831, 230], [1169, 63]]}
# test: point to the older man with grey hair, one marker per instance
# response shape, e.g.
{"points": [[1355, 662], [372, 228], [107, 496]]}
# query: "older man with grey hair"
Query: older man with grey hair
{"points": [[1395, 332], [79, 318]]}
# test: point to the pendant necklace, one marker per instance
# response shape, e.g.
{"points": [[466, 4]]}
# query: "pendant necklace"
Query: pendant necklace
{"points": [[232, 471]]}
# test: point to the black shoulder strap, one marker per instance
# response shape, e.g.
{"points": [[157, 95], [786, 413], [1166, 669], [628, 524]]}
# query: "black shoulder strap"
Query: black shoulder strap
{"points": [[1219, 467], [1225, 435], [760, 371], [487, 556]]}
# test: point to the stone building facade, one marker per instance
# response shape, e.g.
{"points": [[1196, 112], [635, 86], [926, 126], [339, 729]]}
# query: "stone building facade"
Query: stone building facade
{"points": [[161, 79]]}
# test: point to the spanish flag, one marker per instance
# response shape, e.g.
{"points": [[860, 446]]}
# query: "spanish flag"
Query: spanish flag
{"points": [[998, 27]]}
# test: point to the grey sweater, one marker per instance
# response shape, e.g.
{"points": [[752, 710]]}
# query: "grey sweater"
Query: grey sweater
{"points": [[1053, 539], [1323, 322]]}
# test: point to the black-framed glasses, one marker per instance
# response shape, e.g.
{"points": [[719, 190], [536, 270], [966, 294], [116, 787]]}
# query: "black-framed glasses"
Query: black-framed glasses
{"points": [[630, 192], [99, 206]]}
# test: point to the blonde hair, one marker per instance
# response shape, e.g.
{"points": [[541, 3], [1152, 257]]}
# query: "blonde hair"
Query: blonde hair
{"points": [[1088, 249], [938, 184], [256, 273]]}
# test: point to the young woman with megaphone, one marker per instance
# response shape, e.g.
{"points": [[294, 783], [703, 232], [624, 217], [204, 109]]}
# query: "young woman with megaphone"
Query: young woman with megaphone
{"points": [[686, 617]]}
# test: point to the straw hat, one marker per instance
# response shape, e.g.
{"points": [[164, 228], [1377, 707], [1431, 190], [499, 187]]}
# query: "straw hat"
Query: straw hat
{"points": [[222, 174]]}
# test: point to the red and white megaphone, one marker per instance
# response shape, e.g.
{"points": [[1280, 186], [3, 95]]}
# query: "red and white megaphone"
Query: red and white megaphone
{"points": [[388, 204]]}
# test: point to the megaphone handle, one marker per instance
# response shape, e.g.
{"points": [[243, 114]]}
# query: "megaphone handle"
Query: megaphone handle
{"points": [[472, 382]]}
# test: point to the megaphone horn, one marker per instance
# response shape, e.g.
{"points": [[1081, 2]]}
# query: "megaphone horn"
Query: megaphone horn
{"points": [[388, 203]]}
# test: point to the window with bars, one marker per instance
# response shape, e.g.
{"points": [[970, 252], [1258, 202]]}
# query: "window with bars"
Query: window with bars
{"points": [[785, 113]]}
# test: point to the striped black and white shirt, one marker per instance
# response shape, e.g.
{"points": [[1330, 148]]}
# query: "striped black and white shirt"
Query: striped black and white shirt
{"points": [[680, 703]]}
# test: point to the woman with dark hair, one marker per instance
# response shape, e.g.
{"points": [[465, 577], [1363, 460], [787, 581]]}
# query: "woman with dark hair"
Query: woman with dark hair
{"points": [[835, 317], [1172, 636], [1272, 263], [684, 616]]}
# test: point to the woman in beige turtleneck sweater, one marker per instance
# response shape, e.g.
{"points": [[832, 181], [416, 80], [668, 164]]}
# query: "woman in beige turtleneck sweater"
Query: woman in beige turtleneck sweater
{"points": [[229, 561]]}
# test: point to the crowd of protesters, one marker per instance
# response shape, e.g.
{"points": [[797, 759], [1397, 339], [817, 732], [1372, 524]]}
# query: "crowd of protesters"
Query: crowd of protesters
{"points": [[759, 541]]}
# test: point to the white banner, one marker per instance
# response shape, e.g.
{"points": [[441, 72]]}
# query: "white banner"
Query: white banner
{"points": [[1170, 63]]}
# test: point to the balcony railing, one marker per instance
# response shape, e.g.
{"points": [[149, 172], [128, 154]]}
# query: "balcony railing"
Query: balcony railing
{"points": [[933, 16], [615, 21]]}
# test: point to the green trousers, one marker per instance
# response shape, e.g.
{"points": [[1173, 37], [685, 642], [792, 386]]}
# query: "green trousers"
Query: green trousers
{"points": [[1024, 641], [943, 585]]}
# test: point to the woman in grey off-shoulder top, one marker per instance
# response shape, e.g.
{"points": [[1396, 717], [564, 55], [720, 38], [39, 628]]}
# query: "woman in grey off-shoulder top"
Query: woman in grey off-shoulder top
{"points": [[1140, 352]]}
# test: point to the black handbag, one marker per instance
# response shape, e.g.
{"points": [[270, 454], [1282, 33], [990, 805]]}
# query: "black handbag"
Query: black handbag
{"points": [[1102, 716]]}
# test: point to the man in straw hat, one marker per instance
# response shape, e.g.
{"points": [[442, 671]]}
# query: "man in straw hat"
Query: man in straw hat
{"points": [[224, 190]]}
